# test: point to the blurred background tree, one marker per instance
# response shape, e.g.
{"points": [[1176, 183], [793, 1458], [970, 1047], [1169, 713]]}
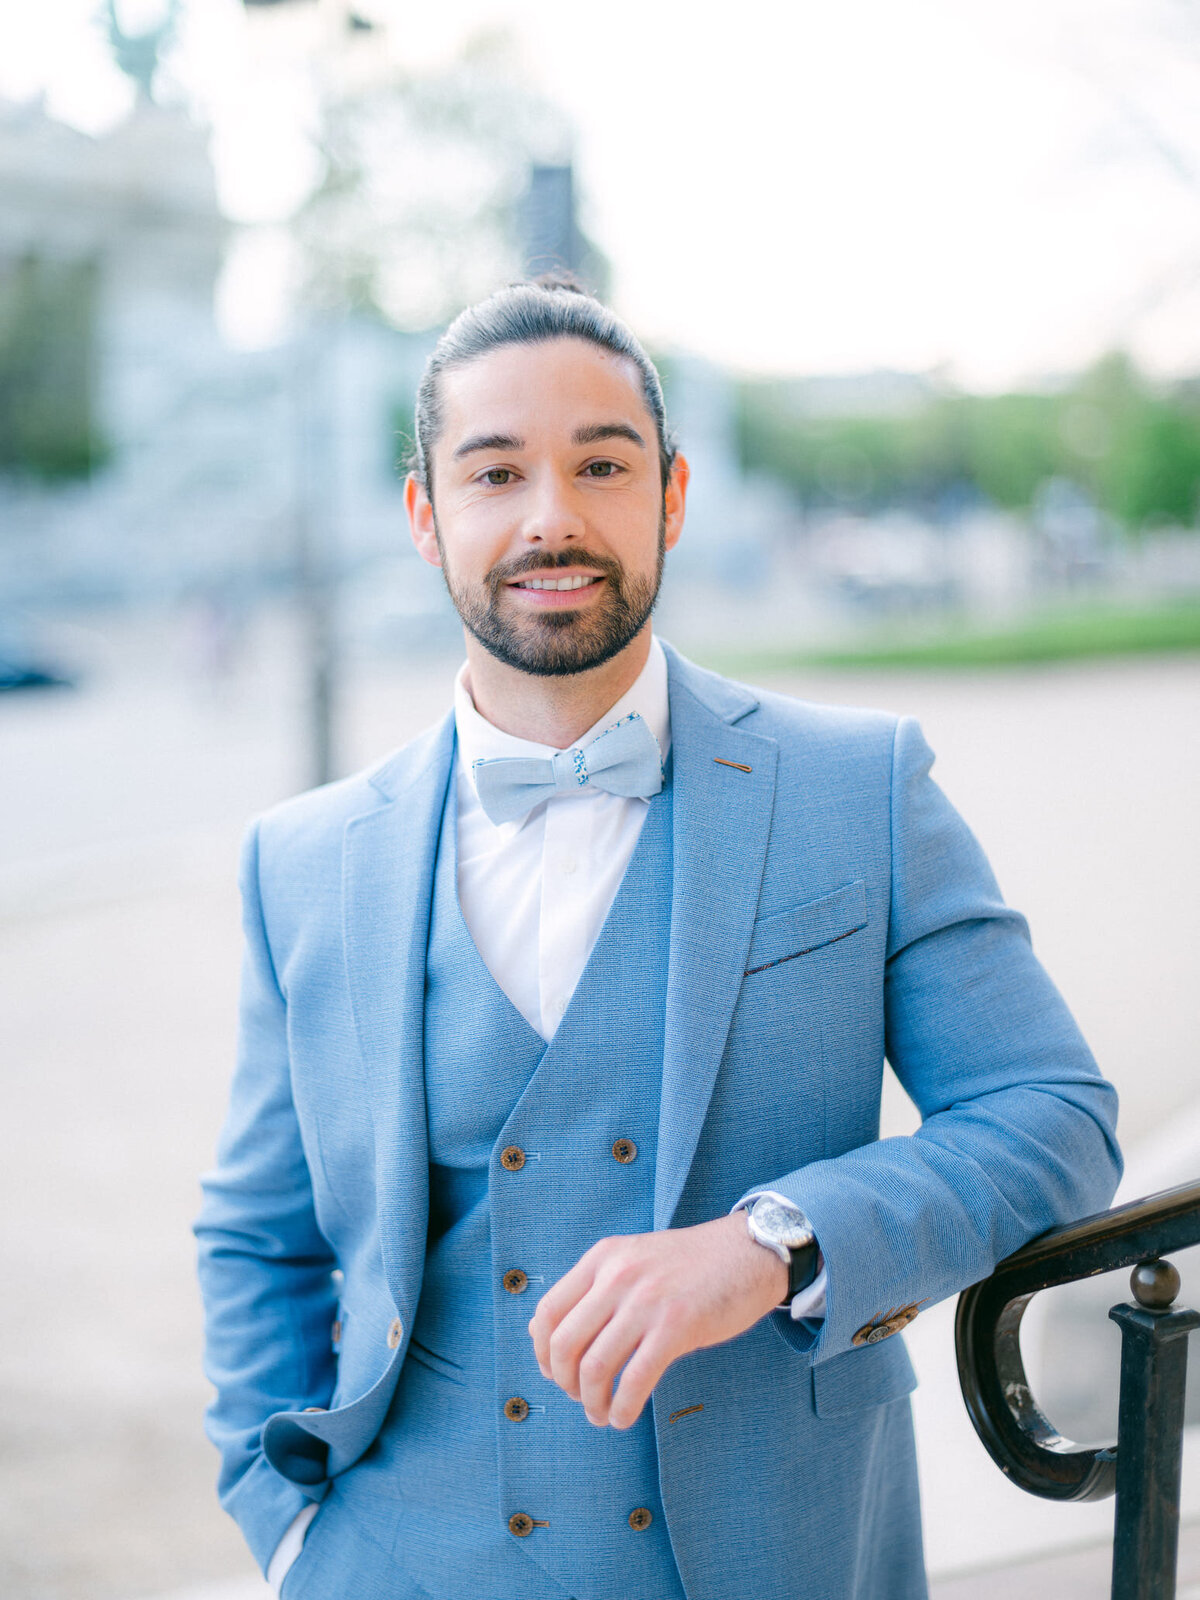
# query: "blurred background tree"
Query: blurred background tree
{"points": [[47, 345], [1132, 446], [418, 209]]}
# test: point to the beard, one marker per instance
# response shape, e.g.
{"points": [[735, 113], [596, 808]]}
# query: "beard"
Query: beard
{"points": [[559, 643]]}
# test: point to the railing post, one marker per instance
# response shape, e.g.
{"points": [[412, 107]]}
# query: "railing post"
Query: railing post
{"points": [[1150, 1434]]}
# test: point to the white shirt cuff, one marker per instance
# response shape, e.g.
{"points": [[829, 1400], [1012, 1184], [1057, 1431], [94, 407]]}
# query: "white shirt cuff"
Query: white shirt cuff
{"points": [[807, 1305], [290, 1545]]}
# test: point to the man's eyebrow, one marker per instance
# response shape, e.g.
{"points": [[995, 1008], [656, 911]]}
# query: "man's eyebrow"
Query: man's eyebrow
{"points": [[489, 441], [595, 432]]}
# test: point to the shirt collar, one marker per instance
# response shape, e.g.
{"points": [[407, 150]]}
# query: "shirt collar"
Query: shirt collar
{"points": [[480, 740]]}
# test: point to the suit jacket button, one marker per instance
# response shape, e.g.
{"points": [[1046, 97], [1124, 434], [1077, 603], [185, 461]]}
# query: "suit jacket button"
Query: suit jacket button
{"points": [[520, 1524], [516, 1409], [624, 1151], [395, 1333], [314, 1408], [512, 1158], [882, 1327], [515, 1281], [640, 1519]]}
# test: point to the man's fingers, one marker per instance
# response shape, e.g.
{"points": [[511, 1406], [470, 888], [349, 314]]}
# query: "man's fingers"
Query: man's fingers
{"points": [[575, 1335], [554, 1305], [642, 1371], [602, 1360]]}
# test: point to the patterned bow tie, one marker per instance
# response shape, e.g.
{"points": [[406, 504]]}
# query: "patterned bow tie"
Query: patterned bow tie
{"points": [[624, 759]]}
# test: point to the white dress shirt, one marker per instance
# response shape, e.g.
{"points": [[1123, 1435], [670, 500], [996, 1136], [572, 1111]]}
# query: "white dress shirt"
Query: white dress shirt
{"points": [[535, 892]]}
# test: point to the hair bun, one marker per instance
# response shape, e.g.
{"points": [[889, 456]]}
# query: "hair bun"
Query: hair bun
{"points": [[561, 280]]}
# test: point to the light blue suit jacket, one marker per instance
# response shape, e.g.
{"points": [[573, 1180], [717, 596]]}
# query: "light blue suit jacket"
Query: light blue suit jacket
{"points": [[829, 907]]}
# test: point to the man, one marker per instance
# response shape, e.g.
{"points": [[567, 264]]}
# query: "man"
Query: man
{"points": [[552, 1252]]}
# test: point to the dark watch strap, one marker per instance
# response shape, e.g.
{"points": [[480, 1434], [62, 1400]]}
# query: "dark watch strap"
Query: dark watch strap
{"points": [[803, 1269]]}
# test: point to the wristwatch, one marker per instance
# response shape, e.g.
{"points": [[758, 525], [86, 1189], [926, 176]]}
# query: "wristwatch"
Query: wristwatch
{"points": [[787, 1231]]}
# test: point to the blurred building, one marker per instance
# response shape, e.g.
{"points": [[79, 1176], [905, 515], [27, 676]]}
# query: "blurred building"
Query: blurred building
{"points": [[736, 524], [188, 475]]}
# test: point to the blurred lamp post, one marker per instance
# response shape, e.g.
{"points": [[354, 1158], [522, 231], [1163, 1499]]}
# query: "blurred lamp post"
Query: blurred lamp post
{"points": [[314, 512]]}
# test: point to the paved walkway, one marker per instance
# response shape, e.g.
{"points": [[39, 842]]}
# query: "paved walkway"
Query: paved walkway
{"points": [[1072, 1575]]}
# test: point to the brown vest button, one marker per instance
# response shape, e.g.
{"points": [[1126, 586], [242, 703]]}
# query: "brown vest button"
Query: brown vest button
{"points": [[640, 1518], [520, 1524], [395, 1333], [335, 1333], [314, 1408], [512, 1158], [515, 1281], [624, 1151], [516, 1409]]}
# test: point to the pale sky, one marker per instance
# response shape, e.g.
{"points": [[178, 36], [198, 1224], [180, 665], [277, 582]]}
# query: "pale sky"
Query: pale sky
{"points": [[1002, 188]]}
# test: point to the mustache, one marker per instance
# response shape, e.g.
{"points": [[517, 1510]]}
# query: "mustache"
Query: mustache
{"points": [[505, 571]]}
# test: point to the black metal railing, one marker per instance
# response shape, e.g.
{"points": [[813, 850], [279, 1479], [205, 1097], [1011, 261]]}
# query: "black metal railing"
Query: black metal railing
{"points": [[1143, 1467]]}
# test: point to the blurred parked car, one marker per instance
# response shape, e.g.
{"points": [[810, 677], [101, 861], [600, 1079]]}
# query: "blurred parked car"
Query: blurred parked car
{"points": [[24, 666]]}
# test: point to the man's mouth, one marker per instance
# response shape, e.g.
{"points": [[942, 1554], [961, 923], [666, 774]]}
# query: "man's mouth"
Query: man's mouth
{"points": [[578, 580]]}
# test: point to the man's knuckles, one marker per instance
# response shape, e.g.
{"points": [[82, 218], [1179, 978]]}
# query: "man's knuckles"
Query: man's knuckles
{"points": [[620, 1272], [563, 1343], [595, 1370]]}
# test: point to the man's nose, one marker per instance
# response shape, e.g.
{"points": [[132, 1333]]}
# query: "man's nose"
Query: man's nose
{"points": [[552, 513]]}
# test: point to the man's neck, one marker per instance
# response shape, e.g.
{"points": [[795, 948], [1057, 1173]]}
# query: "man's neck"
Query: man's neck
{"points": [[552, 711]]}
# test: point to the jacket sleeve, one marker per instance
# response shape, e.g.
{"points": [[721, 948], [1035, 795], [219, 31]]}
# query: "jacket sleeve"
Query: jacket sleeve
{"points": [[1018, 1129], [265, 1267]]}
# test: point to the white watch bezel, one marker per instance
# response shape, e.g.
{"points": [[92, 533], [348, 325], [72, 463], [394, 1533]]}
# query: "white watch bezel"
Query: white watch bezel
{"points": [[779, 1227]]}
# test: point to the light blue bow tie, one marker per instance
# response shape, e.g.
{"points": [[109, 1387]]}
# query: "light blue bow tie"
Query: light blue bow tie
{"points": [[624, 759]]}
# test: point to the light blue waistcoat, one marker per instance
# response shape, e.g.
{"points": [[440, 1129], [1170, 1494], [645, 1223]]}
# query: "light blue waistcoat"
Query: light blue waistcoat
{"points": [[450, 1468]]}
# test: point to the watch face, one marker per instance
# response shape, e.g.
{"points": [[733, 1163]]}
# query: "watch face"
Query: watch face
{"points": [[785, 1225]]}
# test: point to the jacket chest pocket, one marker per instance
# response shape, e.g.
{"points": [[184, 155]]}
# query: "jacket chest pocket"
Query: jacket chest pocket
{"points": [[796, 932]]}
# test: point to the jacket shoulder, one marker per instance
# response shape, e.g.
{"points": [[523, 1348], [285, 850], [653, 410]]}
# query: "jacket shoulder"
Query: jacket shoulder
{"points": [[793, 721], [786, 718]]}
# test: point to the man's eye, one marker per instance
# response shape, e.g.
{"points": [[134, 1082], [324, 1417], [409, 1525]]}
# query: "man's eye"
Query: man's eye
{"points": [[497, 475], [602, 469]]}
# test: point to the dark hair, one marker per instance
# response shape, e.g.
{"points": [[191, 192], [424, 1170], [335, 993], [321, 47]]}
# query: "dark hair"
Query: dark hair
{"points": [[549, 307]]}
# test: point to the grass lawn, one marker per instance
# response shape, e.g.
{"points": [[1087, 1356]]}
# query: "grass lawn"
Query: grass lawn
{"points": [[1053, 636]]}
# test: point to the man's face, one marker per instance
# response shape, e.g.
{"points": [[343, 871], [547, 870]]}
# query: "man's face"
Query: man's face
{"points": [[551, 522]]}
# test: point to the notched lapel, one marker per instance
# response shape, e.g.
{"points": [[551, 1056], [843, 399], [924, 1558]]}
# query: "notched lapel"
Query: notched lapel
{"points": [[723, 782], [387, 877]]}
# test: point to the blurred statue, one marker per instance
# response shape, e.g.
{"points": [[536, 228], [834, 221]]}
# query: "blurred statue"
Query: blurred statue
{"points": [[138, 54]]}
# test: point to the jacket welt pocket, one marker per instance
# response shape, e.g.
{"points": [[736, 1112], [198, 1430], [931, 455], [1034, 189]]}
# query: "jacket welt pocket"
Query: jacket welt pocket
{"points": [[870, 1376], [793, 933]]}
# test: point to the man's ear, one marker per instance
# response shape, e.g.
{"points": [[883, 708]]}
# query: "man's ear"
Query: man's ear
{"points": [[420, 521], [674, 499]]}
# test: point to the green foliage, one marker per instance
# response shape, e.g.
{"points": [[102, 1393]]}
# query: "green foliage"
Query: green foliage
{"points": [[1087, 632], [1010, 445], [47, 328], [1133, 447]]}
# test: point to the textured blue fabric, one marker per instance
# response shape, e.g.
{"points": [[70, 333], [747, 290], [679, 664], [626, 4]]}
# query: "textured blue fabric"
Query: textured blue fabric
{"points": [[625, 759], [447, 1469], [827, 906]]}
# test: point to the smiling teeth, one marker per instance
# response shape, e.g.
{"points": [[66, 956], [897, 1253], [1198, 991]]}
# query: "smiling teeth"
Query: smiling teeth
{"points": [[555, 583]]}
